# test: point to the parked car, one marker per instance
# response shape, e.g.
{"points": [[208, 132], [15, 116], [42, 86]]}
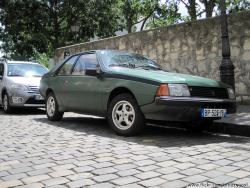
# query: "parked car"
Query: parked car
{"points": [[130, 88], [19, 84]]}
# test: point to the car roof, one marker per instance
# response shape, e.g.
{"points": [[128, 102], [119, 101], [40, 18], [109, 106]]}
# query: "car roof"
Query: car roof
{"points": [[20, 62], [24, 62], [94, 51], [83, 52]]}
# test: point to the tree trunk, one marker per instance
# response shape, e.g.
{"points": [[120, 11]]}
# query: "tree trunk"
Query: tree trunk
{"points": [[192, 10], [129, 25], [209, 8]]}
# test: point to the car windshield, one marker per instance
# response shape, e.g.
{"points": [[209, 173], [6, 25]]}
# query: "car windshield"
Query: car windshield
{"points": [[26, 70], [126, 59]]}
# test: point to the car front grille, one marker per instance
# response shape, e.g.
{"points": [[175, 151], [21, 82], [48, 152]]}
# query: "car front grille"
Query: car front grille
{"points": [[34, 88], [208, 92]]}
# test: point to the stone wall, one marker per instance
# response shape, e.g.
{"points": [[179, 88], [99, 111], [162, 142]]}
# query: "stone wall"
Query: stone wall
{"points": [[191, 48]]}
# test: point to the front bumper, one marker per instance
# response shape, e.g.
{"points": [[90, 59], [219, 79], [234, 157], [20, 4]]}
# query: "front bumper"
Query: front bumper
{"points": [[185, 108], [25, 99]]}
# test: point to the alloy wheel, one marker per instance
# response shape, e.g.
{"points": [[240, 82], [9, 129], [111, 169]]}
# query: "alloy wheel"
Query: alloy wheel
{"points": [[123, 115], [51, 106], [5, 102]]}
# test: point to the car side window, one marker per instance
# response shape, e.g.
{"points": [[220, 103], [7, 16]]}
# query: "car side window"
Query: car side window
{"points": [[84, 62], [67, 67], [1, 69]]}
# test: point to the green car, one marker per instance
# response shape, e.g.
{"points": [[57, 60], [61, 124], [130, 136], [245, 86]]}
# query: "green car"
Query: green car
{"points": [[130, 89]]}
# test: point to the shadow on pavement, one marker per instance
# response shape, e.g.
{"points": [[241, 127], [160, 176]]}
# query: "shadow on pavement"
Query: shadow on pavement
{"points": [[25, 111], [159, 136]]}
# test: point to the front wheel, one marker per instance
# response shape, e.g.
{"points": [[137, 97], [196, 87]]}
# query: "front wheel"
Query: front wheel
{"points": [[52, 109], [125, 116], [6, 104]]}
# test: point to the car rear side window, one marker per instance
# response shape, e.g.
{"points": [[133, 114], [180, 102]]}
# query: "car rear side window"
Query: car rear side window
{"points": [[86, 61], [67, 67]]}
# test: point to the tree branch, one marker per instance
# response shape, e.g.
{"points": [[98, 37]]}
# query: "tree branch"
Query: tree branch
{"points": [[145, 20], [185, 4]]}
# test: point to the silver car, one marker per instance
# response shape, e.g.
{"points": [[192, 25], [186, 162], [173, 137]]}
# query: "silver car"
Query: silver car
{"points": [[19, 84]]}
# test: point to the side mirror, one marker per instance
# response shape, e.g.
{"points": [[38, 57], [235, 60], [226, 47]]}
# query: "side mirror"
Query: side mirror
{"points": [[91, 72]]}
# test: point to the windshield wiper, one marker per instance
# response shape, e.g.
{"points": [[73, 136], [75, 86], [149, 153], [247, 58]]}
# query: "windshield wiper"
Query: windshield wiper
{"points": [[147, 67], [15, 75], [123, 65]]}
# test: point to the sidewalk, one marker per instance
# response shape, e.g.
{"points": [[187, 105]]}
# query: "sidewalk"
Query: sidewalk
{"points": [[236, 124]]}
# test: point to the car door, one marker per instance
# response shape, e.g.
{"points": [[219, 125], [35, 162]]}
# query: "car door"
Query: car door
{"points": [[58, 81], [83, 92]]}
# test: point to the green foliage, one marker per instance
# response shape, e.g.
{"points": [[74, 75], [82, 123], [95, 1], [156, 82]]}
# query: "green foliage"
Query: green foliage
{"points": [[130, 11], [237, 5], [31, 27], [42, 58], [212, 7], [41, 26], [165, 14], [150, 13]]}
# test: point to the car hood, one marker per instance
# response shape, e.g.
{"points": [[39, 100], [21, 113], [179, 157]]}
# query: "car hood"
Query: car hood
{"points": [[167, 77], [26, 80]]}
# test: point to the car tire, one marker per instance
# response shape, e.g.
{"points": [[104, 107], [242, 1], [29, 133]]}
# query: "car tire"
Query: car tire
{"points": [[125, 116], [52, 109], [198, 126], [6, 104]]}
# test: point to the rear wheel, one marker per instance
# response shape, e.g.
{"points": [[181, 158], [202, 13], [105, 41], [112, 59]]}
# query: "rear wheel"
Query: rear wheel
{"points": [[6, 104], [125, 116], [52, 109]]}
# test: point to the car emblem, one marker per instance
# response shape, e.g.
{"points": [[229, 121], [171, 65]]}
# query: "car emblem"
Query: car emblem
{"points": [[213, 93]]}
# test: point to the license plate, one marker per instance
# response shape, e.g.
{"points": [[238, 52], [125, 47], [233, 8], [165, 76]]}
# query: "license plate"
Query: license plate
{"points": [[211, 112], [38, 97]]}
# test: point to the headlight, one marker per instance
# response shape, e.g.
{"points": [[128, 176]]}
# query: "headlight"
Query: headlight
{"points": [[174, 90], [177, 90], [19, 87], [231, 94]]}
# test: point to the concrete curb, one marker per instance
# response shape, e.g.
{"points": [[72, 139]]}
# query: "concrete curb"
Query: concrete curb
{"points": [[230, 128]]}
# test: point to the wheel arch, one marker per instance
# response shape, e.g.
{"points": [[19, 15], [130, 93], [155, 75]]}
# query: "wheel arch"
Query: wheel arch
{"points": [[4, 90], [7, 108], [48, 91], [118, 91], [124, 114]]}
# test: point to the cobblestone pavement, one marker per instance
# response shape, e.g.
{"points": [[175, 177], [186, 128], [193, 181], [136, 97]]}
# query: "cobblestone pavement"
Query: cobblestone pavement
{"points": [[81, 151]]}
